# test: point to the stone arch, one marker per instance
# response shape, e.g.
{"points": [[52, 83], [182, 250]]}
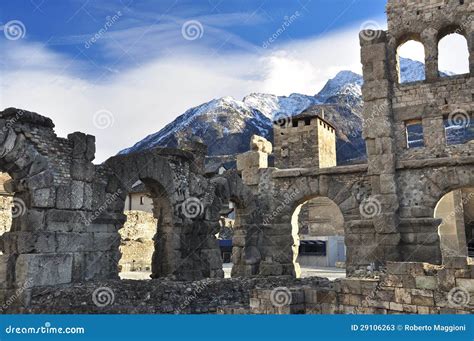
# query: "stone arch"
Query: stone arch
{"points": [[184, 206], [332, 228], [246, 255], [447, 34], [416, 42], [345, 190], [455, 231]]}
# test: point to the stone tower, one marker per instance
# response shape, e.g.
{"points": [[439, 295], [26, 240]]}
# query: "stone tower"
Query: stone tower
{"points": [[304, 141]]}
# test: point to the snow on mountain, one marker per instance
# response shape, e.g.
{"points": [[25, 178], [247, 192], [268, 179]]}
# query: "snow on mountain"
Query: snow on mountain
{"points": [[220, 123], [271, 105], [413, 71], [346, 83], [226, 124]]}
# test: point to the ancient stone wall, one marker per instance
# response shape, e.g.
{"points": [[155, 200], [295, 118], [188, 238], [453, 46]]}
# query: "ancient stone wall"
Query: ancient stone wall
{"points": [[408, 288]]}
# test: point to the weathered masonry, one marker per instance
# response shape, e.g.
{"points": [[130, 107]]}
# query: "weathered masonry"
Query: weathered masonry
{"points": [[388, 204], [71, 209]]}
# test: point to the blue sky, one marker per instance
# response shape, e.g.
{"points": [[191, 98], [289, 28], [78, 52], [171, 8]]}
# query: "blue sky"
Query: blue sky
{"points": [[154, 27], [143, 63]]}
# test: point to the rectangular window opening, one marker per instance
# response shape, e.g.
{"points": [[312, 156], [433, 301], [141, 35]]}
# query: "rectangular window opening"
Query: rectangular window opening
{"points": [[312, 248], [414, 132]]}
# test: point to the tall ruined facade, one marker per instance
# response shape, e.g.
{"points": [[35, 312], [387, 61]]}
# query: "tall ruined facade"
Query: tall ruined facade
{"points": [[408, 181]]}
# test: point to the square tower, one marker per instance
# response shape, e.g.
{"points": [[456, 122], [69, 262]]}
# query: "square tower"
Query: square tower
{"points": [[304, 141]]}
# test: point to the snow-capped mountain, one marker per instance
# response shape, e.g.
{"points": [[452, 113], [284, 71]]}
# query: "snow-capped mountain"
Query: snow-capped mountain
{"points": [[221, 123], [413, 71], [346, 83], [271, 105], [226, 124]]}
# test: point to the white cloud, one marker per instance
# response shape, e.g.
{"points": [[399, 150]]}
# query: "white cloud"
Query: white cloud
{"points": [[454, 54], [143, 99]]}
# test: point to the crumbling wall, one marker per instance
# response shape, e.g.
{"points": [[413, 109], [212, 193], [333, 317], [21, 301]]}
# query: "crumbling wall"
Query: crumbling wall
{"points": [[408, 288]]}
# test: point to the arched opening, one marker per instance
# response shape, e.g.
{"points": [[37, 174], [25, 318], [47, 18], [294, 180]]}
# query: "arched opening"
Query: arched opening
{"points": [[226, 232], [148, 220], [456, 209], [6, 207], [318, 229], [453, 55], [411, 62]]}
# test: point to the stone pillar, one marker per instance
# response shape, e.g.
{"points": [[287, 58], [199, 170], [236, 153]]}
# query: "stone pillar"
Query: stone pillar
{"points": [[378, 133], [251, 162], [248, 229], [430, 41]]}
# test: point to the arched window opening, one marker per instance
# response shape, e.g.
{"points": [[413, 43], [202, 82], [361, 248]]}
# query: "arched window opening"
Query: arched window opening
{"points": [[411, 62], [453, 55], [456, 209], [226, 232], [137, 234], [7, 208], [318, 227]]}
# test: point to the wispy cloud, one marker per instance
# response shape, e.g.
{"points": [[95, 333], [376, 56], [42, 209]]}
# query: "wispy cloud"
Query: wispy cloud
{"points": [[146, 97]]}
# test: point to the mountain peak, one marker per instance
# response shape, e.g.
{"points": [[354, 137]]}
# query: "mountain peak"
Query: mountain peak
{"points": [[344, 83]]}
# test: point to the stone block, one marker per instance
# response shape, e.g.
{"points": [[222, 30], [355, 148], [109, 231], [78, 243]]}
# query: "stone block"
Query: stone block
{"points": [[455, 262], [402, 296], [43, 198], [82, 170], [422, 300], [252, 159], [465, 283], [34, 270], [77, 194], [261, 144], [426, 282]]}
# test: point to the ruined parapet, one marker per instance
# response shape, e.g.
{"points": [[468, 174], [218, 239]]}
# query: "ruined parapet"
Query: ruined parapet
{"points": [[51, 241], [199, 151], [304, 141], [251, 162], [428, 21]]}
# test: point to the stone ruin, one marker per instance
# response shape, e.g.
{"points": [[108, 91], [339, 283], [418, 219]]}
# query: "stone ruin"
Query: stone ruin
{"points": [[71, 210]]}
